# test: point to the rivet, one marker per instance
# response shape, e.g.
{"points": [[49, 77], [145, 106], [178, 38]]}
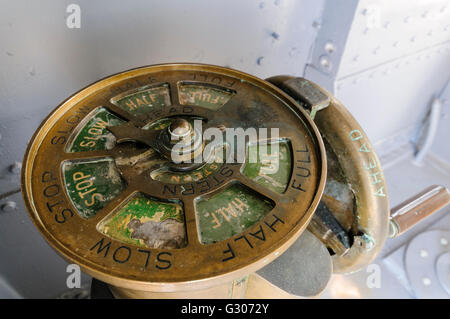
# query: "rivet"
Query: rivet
{"points": [[325, 62], [9, 206], [426, 281], [275, 35], [444, 241], [329, 47], [15, 168], [259, 60], [423, 253]]}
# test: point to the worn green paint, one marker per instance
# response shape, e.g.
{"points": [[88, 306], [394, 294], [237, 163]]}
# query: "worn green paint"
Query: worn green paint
{"points": [[92, 184], [230, 212], [144, 100], [264, 172], [94, 135], [205, 96], [143, 209]]}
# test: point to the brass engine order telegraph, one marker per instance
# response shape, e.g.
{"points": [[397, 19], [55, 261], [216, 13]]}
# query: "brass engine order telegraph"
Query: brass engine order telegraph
{"points": [[101, 184]]}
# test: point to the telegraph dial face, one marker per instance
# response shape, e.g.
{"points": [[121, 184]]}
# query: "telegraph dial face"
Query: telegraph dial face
{"points": [[101, 187]]}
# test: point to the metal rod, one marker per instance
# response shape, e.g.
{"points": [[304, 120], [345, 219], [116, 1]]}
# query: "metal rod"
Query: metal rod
{"points": [[417, 208]]}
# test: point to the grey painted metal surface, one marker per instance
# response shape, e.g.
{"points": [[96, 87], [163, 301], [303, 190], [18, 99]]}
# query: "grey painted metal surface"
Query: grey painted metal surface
{"points": [[389, 59], [421, 263], [385, 60], [440, 146], [30, 267]]}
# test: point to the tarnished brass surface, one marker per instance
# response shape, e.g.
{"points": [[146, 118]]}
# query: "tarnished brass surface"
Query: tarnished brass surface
{"points": [[51, 182], [365, 178], [359, 172]]}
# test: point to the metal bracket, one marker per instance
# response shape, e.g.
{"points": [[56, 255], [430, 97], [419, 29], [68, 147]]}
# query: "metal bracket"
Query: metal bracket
{"points": [[310, 96]]}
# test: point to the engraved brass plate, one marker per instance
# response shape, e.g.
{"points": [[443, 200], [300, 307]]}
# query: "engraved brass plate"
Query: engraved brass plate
{"points": [[101, 190]]}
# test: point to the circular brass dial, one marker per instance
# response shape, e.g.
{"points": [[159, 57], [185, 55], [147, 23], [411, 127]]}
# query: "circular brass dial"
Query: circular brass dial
{"points": [[99, 156]]}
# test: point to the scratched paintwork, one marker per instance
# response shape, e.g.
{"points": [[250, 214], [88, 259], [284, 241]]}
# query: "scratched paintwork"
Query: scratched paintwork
{"points": [[209, 97], [147, 223], [93, 134], [265, 171], [230, 212], [91, 184], [142, 101]]}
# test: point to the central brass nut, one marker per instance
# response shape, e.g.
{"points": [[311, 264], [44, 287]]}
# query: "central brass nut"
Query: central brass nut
{"points": [[182, 142], [180, 129]]}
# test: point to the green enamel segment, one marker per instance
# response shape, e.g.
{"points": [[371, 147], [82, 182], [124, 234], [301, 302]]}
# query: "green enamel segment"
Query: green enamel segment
{"points": [[143, 101], [94, 135], [147, 223], [92, 184], [265, 171], [230, 212], [208, 97]]}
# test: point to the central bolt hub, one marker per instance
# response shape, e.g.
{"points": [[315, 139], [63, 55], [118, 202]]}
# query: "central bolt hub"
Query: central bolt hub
{"points": [[182, 144], [180, 129]]}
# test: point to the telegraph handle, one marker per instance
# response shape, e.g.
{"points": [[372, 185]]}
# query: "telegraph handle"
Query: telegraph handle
{"points": [[415, 209]]}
